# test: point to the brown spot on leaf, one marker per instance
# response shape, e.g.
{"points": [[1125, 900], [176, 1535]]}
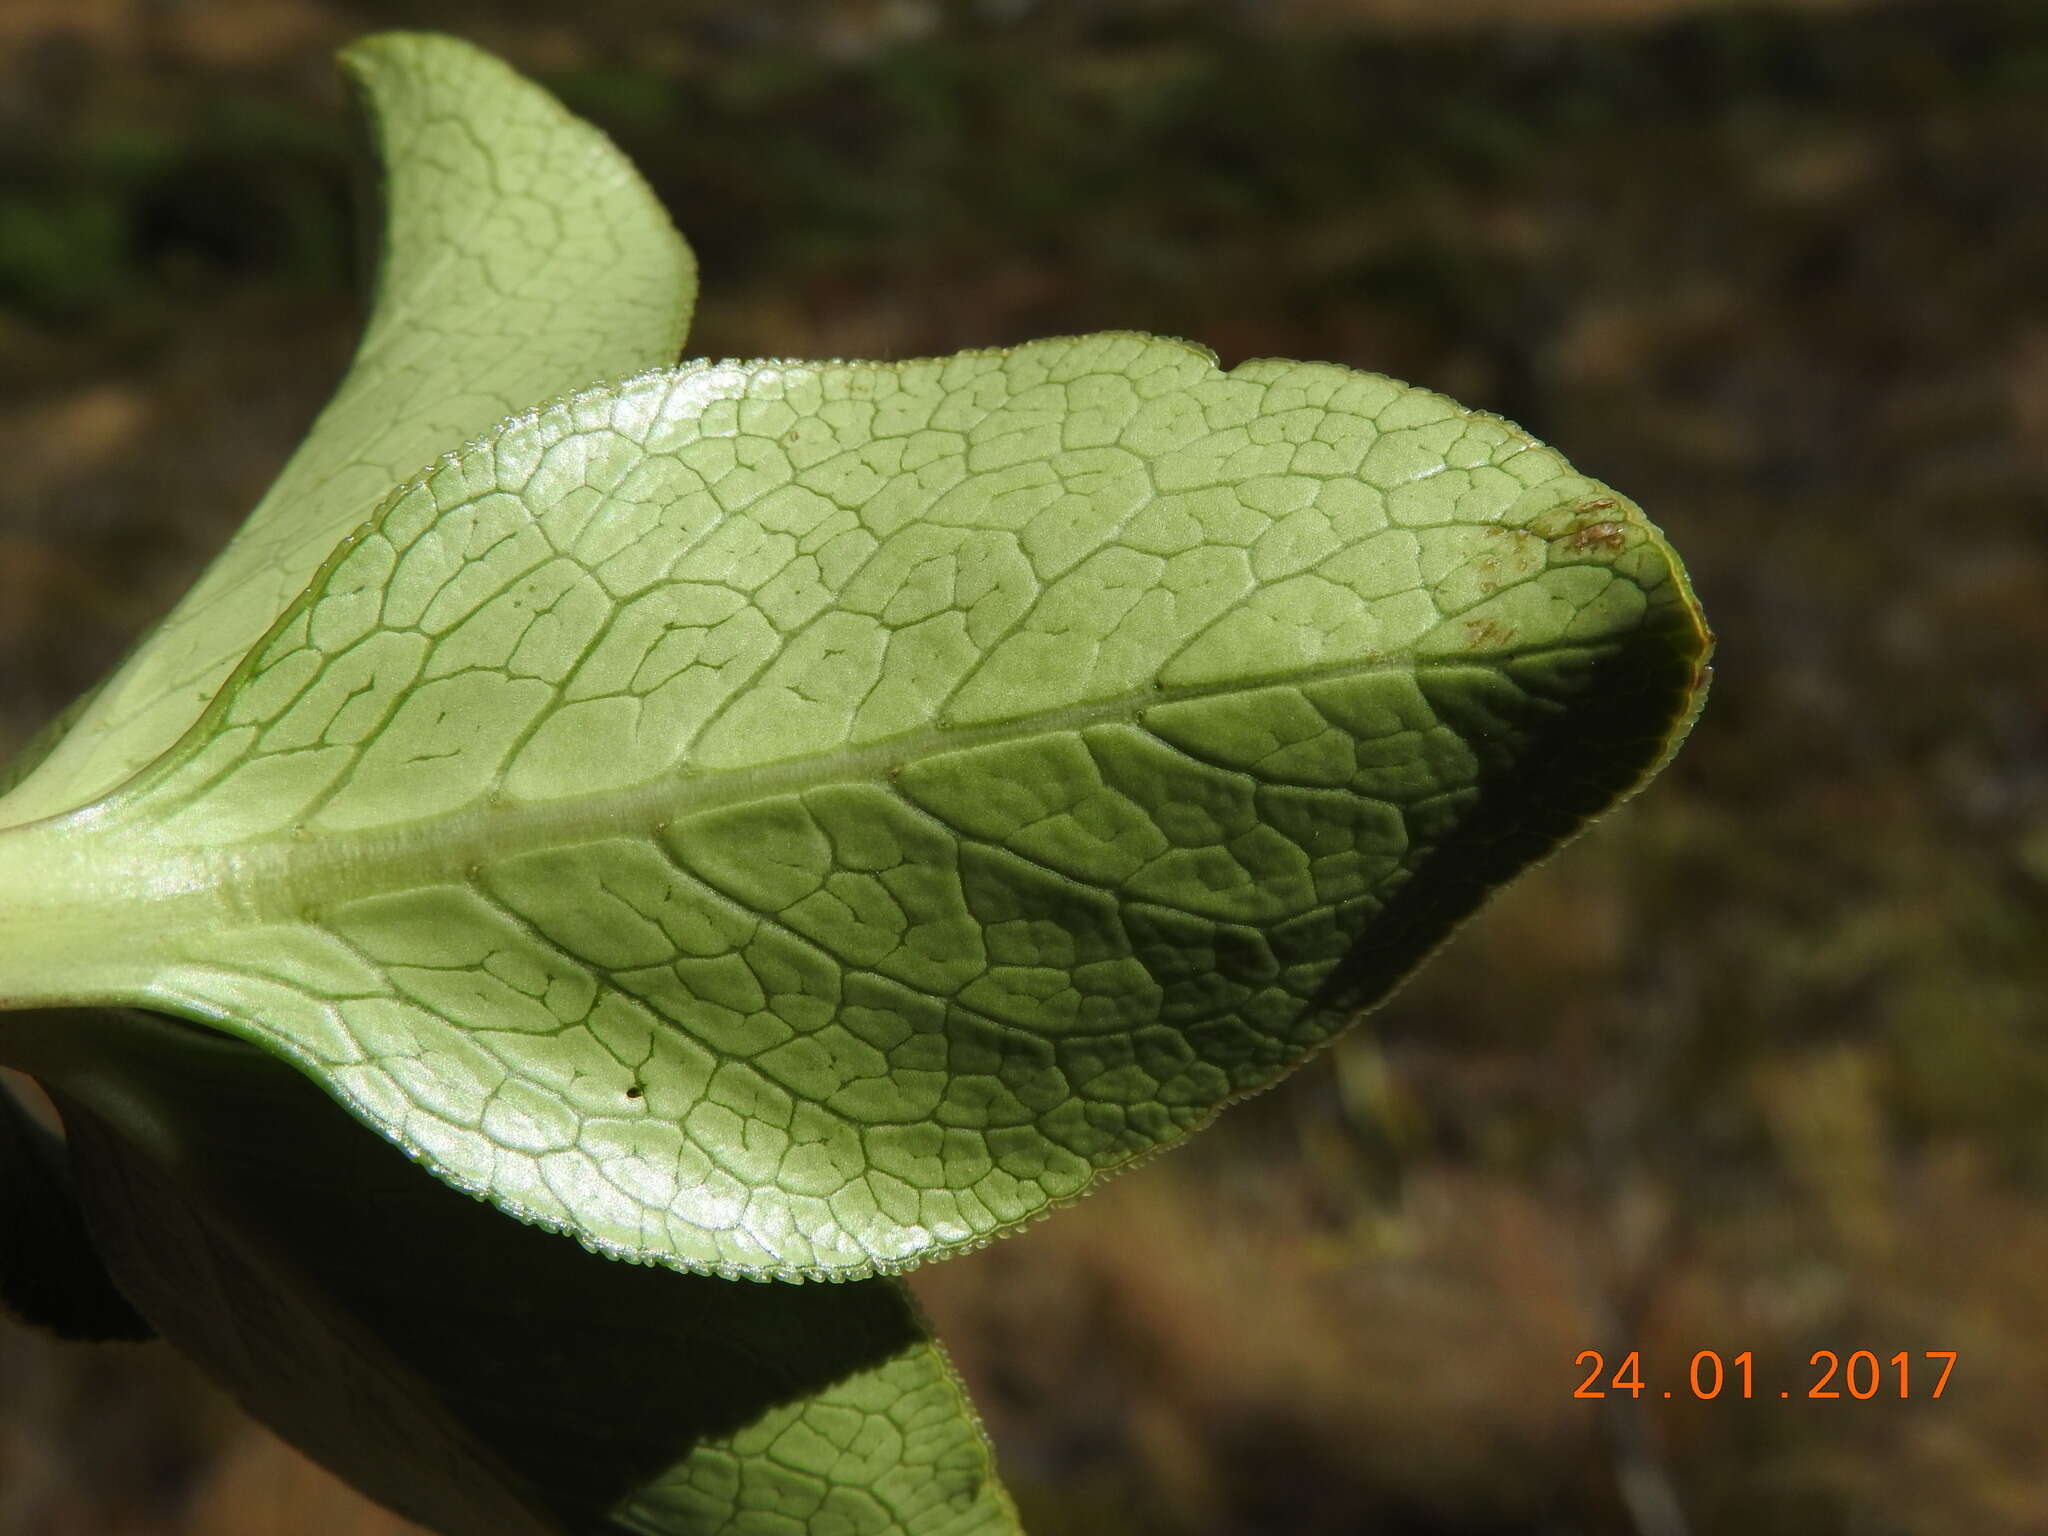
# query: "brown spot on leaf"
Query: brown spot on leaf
{"points": [[1575, 517], [1610, 536]]}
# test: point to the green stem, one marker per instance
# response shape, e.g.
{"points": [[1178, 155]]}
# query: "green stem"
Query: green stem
{"points": [[82, 924]]}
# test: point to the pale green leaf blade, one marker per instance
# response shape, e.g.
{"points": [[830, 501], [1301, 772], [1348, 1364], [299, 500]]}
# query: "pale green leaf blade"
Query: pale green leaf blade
{"points": [[806, 818], [522, 257], [40, 745], [475, 1374]]}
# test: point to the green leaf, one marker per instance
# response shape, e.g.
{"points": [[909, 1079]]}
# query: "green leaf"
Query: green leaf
{"points": [[522, 257], [804, 819], [50, 1273], [44, 741], [481, 1376]]}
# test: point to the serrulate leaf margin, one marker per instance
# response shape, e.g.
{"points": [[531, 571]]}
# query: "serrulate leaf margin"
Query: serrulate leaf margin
{"points": [[1389, 652], [522, 257]]}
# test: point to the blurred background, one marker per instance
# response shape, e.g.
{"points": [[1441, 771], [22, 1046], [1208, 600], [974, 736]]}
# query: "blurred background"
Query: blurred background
{"points": [[1759, 1064]]}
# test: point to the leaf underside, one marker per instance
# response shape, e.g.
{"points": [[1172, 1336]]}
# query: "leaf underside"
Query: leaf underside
{"points": [[801, 819], [779, 819]]}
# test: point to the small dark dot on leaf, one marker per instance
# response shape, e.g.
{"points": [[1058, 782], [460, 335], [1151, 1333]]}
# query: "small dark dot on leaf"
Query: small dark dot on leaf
{"points": [[635, 1091]]}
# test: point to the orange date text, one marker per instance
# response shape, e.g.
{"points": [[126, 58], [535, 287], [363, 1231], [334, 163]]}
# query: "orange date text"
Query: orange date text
{"points": [[1862, 1375]]}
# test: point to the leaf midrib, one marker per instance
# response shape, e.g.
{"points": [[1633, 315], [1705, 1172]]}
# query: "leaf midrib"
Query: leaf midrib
{"points": [[296, 875]]}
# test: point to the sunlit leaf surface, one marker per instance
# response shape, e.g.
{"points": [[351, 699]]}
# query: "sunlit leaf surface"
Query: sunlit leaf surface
{"points": [[803, 819]]}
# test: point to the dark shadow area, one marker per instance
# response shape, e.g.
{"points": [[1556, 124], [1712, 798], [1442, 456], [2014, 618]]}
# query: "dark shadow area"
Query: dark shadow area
{"points": [[50, 1273], [349, 1298]]}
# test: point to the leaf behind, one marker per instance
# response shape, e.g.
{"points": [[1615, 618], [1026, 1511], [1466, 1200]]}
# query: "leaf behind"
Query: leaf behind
{"points": [[522, 256]]}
